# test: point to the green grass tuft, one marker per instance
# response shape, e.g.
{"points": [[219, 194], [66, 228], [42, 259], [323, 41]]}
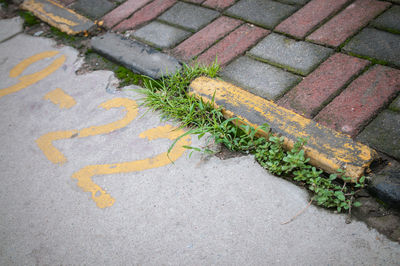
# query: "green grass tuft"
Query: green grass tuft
{"points": [[29, 18], [170, 96]]}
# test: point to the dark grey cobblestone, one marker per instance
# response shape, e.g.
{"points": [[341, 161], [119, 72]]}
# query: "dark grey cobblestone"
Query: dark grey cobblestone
{"points": [[161, 35], [390, 20], [383, 133], [265, 13], [377, 44], [189, 16], [259, 78], [296, 56]]}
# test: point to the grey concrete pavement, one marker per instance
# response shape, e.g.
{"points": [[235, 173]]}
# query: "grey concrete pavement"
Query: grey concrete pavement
{"points": [[194, 212]]}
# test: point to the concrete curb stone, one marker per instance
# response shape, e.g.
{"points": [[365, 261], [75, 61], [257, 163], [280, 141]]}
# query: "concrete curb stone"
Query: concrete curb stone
{"points": [[71, 22], [136, 56]]}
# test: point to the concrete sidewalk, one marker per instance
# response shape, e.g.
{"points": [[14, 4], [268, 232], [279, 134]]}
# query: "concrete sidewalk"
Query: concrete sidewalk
{"points": [[62, 152], [336, 63]]}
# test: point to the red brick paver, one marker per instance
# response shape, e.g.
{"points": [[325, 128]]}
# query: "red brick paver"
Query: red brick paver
{"points": [[348, 22], [205, 37], [322, 85], [218, 4], [236, 43], [147, 13], [361, 101], [123, 11], [308, 17]]}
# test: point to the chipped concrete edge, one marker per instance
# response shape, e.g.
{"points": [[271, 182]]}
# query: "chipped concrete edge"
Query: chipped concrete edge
{"points": [[327, 149]]}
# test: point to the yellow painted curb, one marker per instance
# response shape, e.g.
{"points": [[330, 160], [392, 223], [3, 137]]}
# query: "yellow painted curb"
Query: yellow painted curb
{"points": [[64, 19], [326, 148]]}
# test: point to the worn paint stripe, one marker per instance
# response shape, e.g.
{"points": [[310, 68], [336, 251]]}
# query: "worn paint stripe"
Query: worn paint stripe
{"points": [[326, 148], [60, 98], [104, 199], [58, 16]]}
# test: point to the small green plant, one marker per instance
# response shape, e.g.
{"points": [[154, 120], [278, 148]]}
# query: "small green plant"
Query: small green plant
{"points": [[170, 95], [29, 18], [62, 35], [127, 77]]}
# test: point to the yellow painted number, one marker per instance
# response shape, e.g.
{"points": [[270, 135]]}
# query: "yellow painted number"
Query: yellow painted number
{"points": [[102, 198], [27, 80], [84, 176]]}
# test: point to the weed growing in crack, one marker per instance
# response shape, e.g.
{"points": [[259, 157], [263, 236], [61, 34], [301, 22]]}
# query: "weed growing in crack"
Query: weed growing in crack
{"points": [[170, 95]]}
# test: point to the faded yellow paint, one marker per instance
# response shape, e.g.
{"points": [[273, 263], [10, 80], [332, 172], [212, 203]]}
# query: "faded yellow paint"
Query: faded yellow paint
{"points": [[38, 7], [352, 156], [45, 142], [59, 22], [100, 196], [27, 80], [60, 98], [18, 69]]}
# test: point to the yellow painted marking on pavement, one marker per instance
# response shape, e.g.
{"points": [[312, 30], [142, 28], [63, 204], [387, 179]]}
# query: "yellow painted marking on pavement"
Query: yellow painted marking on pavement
{"points": [[60, 98], [27, 80], [100, 196], [59, 22], [39, 8], [327, 149], [45, 142], [18, 69]]}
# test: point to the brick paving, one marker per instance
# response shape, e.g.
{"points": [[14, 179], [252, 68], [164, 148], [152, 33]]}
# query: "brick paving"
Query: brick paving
{"points": [[278, 49], [361, 100], [205, 37], [348, 22], [233, 45], [123, 11], [323, 84], [310, 16], [147, 13]]}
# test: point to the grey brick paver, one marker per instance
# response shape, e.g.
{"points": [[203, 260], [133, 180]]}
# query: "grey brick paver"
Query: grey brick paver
{"points": [[135, 56], [189, 16], [390, 20], [383, 133], [161, 35], [297, 56], [259, 78], [93, 8], [376, 44], [395, 105], [265, 13]]}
